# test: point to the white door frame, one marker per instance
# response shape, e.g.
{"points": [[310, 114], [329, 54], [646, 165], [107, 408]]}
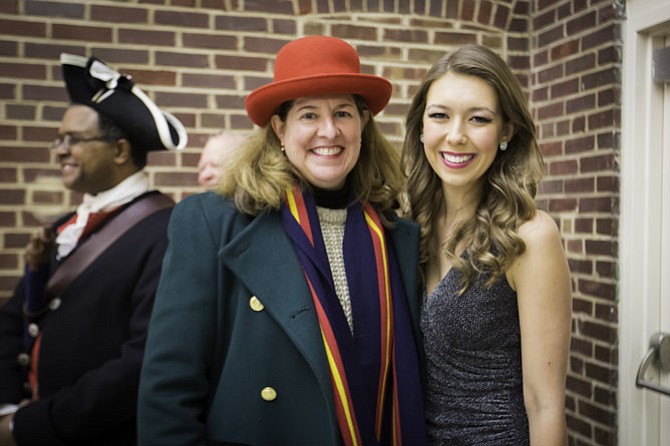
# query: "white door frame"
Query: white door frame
{"points": [[641, 254]]}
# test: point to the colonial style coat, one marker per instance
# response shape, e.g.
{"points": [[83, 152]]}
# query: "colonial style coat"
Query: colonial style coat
{"points": [[235, 354], [91, 347]]}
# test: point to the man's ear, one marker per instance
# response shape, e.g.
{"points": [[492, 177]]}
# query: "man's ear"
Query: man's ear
{"points": [[123, 152]]}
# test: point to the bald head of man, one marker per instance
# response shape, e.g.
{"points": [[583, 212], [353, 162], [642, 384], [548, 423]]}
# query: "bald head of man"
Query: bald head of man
{"points": [[212, 158]]}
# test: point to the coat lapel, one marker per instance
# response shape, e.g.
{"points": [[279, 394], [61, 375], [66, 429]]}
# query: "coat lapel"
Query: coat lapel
{"points": [[264, 259], [405, 239]]}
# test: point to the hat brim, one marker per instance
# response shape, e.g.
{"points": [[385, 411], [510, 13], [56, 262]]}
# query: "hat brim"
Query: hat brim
{"points": [[262, 103]]}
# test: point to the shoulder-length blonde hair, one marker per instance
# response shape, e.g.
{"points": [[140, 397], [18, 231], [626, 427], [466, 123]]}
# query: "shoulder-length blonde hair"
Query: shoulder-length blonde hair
{"points": [[510, 184], [259, 173]]}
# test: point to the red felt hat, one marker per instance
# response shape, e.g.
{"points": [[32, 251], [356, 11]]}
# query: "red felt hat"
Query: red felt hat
{"points": [[316, 66]]}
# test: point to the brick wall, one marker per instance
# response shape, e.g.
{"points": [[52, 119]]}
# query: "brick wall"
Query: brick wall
{"points": [[576, 53], [199, 58]]}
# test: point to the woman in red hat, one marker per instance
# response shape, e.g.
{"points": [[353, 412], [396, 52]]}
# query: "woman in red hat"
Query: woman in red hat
{"points": [[287, 312]]}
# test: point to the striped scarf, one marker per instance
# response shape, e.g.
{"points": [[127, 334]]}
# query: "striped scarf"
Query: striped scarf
{"points": [[374, 371]]}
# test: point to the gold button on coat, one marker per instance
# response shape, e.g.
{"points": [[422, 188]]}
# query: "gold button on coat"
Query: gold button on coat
{"points": [[269, 394], [256, 304]]}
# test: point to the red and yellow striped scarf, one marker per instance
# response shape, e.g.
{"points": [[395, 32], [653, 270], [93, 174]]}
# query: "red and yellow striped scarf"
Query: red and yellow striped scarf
{"points": [[367, 411]]}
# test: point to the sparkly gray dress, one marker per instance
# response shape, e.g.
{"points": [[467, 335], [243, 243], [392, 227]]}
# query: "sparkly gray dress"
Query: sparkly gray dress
{"points": [[473, 363]]}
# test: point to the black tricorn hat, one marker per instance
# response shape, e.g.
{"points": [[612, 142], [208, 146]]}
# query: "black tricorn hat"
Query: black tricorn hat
{"points": [[91, 82]]}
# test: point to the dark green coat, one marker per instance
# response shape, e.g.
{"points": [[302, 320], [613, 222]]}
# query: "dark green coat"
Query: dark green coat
{"points": [[234, 322]]}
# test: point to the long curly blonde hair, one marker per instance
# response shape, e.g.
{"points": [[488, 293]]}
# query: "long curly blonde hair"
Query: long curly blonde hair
{"points": [[510, 184], [259, 173]]}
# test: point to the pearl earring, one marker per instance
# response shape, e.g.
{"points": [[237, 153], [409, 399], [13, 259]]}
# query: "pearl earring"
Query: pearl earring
{"points": [[421, 138], [503, 145]]}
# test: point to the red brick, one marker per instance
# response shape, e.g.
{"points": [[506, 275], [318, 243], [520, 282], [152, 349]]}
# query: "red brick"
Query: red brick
{"points": [[163, 179], [565, 167], [7, 219], [485, 12], [580, 64], [545, 19], [580, 386], [237, 63], [584, 225], [398, 35], [501, 16], [207, 81], [581, 23], [165, 99], [9, 7], [23, 70], [182, 19], [580, 267], [597, 163], [591, 411], [578, 124], [174, 59], [82, 33], [51, 51], [118, 14], [601, 37], [228, 22], [606, 396], [608, 184], [115, 56], [24, 154], [350, 31], [468, 10], [10, 49], [603, 119], [284, 26], [452, 38], [606, 313], [562, 205], [601, 247], [146, 37], [598, 204], [8, 175], [577, 185], [22, 112], [54, 9], [598, 331], [550, 74], [550, 111], [552, 35], [213, 41], [263, 45], [270, 7], [579, 104], [597, 80], [230, 101], [11, 196], [22, 28]]}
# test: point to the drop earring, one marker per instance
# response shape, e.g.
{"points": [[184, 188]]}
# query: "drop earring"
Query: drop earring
{"points": [[421, 138], [503, 145]]}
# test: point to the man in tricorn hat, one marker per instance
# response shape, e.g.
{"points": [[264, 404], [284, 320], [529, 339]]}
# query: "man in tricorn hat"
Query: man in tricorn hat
{"points": [[72, 335]]}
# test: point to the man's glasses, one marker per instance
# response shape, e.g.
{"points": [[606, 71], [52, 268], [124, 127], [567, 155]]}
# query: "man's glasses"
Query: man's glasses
{"points": [[68, 141]]}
